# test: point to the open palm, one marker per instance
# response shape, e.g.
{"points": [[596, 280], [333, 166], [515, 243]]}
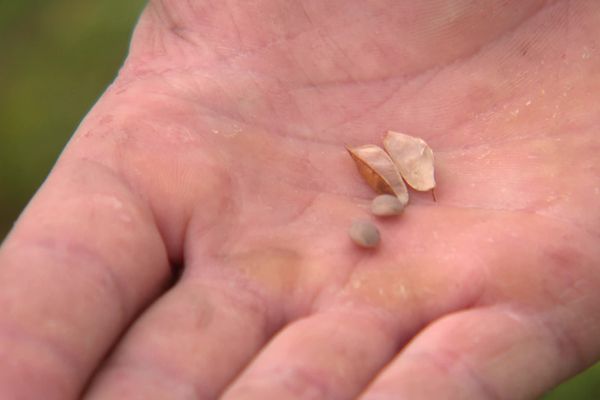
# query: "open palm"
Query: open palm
{"points": [[191, 241]]}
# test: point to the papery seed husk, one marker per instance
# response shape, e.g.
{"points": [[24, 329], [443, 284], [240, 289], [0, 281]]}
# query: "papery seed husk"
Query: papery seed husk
{"points": [[386, 205], [364, 233], [379, 171], [413, 158]]}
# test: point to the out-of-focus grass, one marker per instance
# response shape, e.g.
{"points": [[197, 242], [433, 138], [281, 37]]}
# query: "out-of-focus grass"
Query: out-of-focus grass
{"points": [[56, 57], [585, 386]]}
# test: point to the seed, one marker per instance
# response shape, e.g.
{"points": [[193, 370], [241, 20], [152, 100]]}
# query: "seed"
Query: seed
{"points": [[364, 233], [386, 205]]}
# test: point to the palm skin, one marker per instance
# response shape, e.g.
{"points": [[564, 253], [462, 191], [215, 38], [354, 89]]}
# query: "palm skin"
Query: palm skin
{"points": [[220, 148]]}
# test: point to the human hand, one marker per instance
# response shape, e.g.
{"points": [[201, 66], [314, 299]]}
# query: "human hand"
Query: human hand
{"points": [[220, 148]]}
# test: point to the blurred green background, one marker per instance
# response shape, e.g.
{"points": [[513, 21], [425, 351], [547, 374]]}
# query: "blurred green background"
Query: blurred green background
{"points": [[56, 58]]}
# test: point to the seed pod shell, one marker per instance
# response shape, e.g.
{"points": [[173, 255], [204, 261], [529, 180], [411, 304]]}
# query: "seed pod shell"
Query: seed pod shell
{"points": [[379, 171], [413, 158]]}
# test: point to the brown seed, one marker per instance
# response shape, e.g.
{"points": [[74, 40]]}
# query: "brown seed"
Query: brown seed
{"points": [[413, 158], [364, 233], [386, 205], [379, 171]]}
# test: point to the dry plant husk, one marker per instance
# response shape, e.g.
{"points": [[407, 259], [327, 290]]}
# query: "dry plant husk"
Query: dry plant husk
{"points": [[379, 171], [413, 158]]}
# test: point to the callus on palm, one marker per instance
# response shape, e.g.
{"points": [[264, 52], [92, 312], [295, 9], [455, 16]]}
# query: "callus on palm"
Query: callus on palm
{"points": [[413, 158]]}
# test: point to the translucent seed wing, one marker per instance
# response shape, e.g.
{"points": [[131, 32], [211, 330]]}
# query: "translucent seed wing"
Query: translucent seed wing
{"points": [[413, 158]]}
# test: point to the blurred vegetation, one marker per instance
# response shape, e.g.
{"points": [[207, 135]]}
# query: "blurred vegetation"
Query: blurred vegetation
{"points": [[585, 386], [56, 57]]}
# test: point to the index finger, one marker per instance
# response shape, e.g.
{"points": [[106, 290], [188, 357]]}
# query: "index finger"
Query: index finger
{"points": [[80, 263]]}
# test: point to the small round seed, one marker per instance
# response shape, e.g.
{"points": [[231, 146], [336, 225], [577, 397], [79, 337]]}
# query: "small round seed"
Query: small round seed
{"points": [[364, 233], [386, 205]]}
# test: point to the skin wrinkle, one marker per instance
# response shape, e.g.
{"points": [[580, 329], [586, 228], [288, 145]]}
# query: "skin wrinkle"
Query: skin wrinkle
{"points": [[376, 316], [526, 212], [227, 223], [567, 348], [439, 359], [64, 251], [136, 188], [238, 119], [565, 344], [335, 48], [414, 75], [486, 145], [116, 174], [229, 226], [136, 202], [539, 208], [464, 123], [467, 119], [564, 276], [242, 54], [160, 11], [557, 277], [245, 295], [220, 112], [241, 292], [300, 372], [421, 316], [172, 376], [273, 325], [321, 132], [462, 58], [303, 210], [459, 59], [124, 148], [446, 360], [240, 37], [157, 41], [255, 80], [552, 217], [386, 99], [204, 107], [67, 359], [68, 249], [193, 101], [565, 340], [299, 381]]}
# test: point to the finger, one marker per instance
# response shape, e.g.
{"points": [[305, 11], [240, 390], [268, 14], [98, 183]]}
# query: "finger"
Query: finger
{"points": [[191, 343], [330, 355], [479, 354], [82, 260]]}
